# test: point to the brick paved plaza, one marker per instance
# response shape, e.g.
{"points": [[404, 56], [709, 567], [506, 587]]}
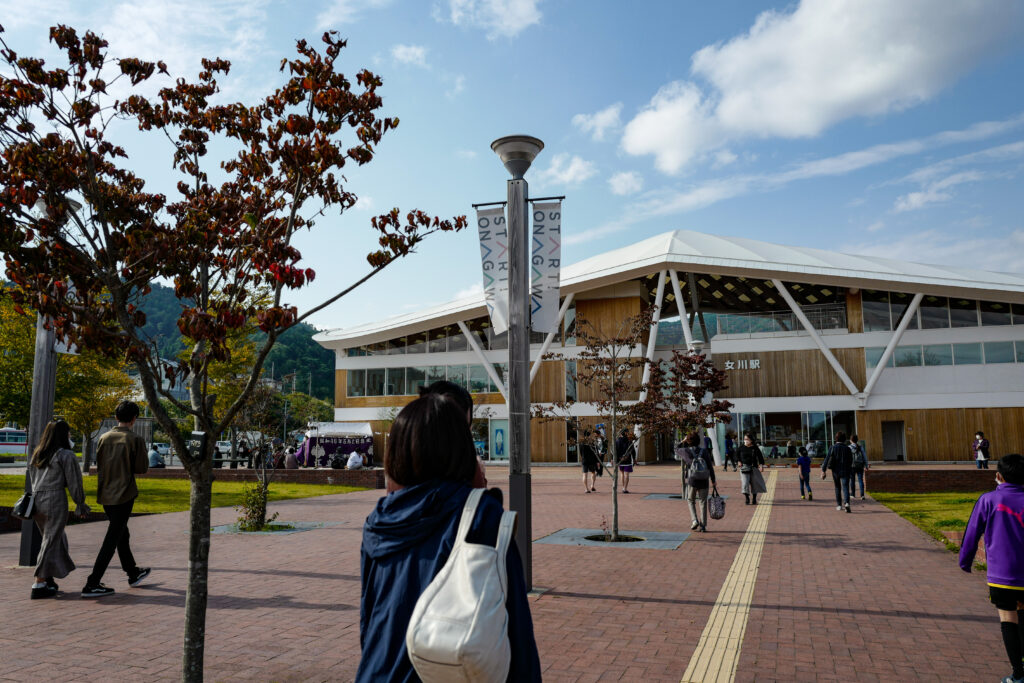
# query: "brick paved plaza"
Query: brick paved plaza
{"points": [[850, 597]]}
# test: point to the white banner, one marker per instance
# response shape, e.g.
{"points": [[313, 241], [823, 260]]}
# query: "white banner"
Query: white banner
{"points": [[494, 261], [545, 266]]}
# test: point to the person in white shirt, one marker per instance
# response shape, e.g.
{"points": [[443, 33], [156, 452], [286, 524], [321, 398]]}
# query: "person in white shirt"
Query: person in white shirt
{"points": [[356, 461]]}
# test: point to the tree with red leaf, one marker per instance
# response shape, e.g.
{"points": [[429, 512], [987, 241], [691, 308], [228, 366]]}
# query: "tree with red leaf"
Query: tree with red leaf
{"points": [[224, 244]]}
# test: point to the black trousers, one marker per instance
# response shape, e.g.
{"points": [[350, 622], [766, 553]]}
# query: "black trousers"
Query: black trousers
{"points": [[117, 538]]}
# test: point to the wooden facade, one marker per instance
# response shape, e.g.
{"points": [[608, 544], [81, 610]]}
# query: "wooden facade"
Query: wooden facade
{"points": [[789, 373], [945, 434], [854, 312]]}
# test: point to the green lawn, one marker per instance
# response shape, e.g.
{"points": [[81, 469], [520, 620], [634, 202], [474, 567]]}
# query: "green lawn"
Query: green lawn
{"points": [[933, 513], [172, 495]]}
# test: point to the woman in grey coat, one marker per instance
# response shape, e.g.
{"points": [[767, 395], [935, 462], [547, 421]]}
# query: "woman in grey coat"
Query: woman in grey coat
{"points": [[52, 469]]}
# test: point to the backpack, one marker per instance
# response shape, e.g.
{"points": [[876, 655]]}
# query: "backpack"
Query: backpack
{"points": [[698, 470], [459, 627]]}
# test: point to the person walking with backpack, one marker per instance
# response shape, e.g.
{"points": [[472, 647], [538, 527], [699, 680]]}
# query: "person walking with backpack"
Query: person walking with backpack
{"points": [[804, 463], [840, 460], [120, 455], [860, 465], [430, 463], [698, 475], [52, 469]]}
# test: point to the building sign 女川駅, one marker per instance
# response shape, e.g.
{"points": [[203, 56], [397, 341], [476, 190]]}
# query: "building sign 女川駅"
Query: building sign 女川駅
{"points": [[743, 364]]}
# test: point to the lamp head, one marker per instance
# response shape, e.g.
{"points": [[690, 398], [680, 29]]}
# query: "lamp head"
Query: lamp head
{"points": [[517, 152]]}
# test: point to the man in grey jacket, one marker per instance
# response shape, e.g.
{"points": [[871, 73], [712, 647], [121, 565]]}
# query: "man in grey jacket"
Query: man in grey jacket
{"points": [[120, 455]]}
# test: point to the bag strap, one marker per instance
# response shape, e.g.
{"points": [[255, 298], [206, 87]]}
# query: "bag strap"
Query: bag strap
{"points": [[468, 513], [506, 531]]}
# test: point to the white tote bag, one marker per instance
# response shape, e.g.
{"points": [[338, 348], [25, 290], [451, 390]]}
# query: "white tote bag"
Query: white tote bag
{"points": [[459, 627]]}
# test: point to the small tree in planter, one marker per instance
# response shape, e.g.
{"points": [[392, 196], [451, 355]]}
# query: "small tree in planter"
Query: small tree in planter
{"points": [[608, 374]]}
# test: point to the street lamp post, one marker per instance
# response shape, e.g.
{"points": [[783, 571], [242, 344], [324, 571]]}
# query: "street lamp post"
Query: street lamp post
{"points": [[517, 152]]}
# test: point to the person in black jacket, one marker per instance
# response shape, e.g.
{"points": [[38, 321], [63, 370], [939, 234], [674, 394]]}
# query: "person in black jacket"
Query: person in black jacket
{"points": [[591, 465], [840, 461], [625, 455], [751, 463]]}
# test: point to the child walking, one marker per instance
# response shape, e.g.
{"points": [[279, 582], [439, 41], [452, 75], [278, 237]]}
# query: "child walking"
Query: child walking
{"points": [[804, 461], [997, 517]]}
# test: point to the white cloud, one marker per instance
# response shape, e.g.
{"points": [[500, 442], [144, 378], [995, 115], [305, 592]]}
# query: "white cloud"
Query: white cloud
{"points": [[723, 157], [500, 18], [569, 239], [796, 73], [875, 227], [458, 85], [340, 12], [410, 54], [988, 252], [466, 153], [364, 203], [712, 191], [627, 182], [599, 123], [475, 289], [567, 170], [935, 192]]}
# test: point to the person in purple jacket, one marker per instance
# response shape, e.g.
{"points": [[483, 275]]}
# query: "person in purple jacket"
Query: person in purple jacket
{"points": [[998, 516]]}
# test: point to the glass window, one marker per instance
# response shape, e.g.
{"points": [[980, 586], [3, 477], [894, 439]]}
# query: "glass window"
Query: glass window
{"points": [[1018, 314], [537, 337], [378, 349], [816, 429], [456, 340], [435, 373], [899, 304], [395, 346], [908, 356], [502, 370], [356, 383], [496, 341], [417, 343], [375, 379], [938, 354], [967, 354], [570, 326], [873, 354], [934, 313], [570, 380], [437, 341], [415, 378], [479, 380], [751, 422], [457, 374], [1020, 352], [358, 351], [876, 311], [396, 382], [963, 312], [995, 313], [998, 352], [844, 421]]}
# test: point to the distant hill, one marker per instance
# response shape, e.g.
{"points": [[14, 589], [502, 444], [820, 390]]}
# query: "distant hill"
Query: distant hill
{"points": [[294, 352]]}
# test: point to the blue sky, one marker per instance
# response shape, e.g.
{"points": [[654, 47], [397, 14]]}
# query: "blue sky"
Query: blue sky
{"points": [[864, 126]]}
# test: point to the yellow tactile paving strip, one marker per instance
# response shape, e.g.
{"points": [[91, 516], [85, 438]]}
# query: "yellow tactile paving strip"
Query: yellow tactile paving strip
{"points": [[718, 651]]}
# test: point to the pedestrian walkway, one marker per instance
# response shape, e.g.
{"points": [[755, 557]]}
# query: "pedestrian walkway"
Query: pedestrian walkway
{"points": [[852, 597]]}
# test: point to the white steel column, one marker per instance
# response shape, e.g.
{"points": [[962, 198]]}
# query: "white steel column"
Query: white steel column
{"points": [[712, 433], [891, 346], [488, 366], [687, 332], [551, 336], [829, 356], [653, 337]]}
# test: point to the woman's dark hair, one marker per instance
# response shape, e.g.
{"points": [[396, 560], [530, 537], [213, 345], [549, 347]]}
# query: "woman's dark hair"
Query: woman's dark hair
{"points": [[1012, 468], [854, 438], [802, 451], [980, 433], [463, 399], [840, 437], [126, 411], [430, 439], [750, 435], [692, 439], [56, 436]]}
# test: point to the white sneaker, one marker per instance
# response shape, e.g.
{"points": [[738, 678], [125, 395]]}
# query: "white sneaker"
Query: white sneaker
{"points": [[839, 508], [694, 524]]}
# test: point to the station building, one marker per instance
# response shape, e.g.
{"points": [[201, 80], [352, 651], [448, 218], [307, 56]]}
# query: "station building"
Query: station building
{"points": [[914, 358]]}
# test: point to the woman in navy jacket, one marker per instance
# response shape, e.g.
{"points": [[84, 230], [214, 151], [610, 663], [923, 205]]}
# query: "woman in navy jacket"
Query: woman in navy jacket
{"points": [[430, 462]]}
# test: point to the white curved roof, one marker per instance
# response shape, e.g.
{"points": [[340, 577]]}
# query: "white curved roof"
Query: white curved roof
{"points": [[695, 251]]}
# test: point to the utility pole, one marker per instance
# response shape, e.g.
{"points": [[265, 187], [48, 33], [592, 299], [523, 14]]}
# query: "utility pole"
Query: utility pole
{"points": [[44, 385]]}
